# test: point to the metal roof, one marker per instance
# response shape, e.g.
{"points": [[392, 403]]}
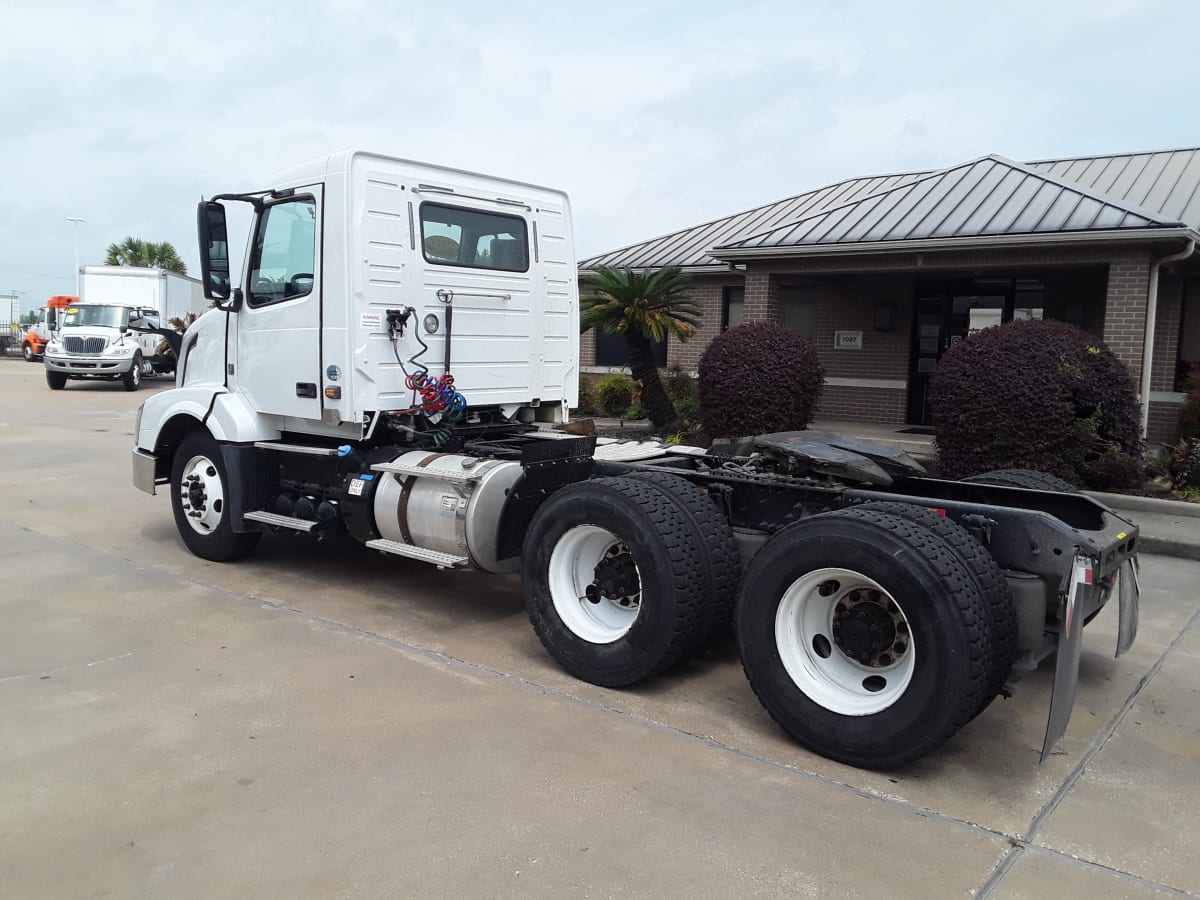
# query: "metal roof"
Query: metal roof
{"points": [[688, 248], [990, 196], [1160, 187], [1167, 182]]}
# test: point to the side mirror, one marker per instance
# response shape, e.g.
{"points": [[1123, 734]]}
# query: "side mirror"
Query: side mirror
{"points": [[52, 318], [214, 251], [124, 329]]}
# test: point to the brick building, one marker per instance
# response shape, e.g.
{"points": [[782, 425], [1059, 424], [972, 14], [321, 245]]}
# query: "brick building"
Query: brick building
{"points": [[887, 273]]}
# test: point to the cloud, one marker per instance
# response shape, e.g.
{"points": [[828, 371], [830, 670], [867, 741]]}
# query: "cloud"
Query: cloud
{"points": [[653, 115]]}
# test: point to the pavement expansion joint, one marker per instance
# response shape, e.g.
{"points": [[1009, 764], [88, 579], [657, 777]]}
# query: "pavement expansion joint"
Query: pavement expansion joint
{"points": [[1026, 841], [1017, 844]]}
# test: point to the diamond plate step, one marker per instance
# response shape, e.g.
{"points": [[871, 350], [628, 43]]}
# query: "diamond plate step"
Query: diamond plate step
{"points": [[437, 558], [278, 521], [464, 477]]}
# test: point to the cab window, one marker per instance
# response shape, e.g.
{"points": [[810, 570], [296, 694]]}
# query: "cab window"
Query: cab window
{"points": [[454, 236], [284, 253]]}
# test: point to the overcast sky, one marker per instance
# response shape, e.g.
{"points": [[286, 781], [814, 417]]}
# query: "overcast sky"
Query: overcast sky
{"points": [[653, 116]]}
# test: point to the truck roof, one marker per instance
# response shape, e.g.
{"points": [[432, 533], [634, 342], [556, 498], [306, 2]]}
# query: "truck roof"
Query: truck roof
{"points": [[342, 161]]}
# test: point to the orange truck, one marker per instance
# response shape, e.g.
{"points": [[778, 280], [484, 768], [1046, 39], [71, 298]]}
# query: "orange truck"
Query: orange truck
{"points": [[34, 341]]}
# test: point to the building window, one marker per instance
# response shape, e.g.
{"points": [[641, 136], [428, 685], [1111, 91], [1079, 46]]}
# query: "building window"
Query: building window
{"points": [[733, 307], [1189, 335], [612, 351], [797, 309]]}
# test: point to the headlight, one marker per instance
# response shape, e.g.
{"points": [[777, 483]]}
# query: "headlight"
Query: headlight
{"points": [[53, 347], [120, 350]]}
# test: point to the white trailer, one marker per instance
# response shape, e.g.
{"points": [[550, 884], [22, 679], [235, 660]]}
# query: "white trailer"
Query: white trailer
{"points": [[172, 295], [390, 366]]}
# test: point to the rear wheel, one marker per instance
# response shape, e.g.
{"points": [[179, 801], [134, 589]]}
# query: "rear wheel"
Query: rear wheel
{"points": [[200, 493], [613, 583], [864, 637], [989, 579], [56, 380], [709, 530]]}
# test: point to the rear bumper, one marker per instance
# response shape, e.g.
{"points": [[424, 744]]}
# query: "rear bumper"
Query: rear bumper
{"points": [[144, 466], [88, 365]]}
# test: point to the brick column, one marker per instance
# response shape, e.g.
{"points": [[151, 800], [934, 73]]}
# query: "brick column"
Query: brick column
{"points": [[762, 297], [1125, 307]]}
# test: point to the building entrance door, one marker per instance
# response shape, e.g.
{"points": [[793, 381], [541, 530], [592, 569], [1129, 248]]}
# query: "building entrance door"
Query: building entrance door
{"points": [[939, 324]]}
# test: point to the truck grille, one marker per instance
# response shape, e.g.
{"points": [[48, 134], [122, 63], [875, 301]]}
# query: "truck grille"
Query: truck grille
{"points": [[84, 344]]}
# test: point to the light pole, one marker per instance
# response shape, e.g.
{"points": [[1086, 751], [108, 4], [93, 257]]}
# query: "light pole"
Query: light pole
{"points": [[76, 220]]}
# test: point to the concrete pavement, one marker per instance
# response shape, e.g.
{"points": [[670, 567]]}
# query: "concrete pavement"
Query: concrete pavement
{"points": [[322, 721]]}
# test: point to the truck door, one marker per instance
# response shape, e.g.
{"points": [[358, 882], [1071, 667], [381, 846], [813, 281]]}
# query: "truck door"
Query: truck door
{"points": [[278, 362]]}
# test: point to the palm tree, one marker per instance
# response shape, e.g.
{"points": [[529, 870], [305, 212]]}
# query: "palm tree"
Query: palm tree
{"points": [[644, 307], [136, 252]]}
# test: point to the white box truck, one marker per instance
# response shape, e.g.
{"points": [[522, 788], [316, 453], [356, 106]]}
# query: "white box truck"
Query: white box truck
{"points": [[121, 327], [170, 294], [390, 366]]}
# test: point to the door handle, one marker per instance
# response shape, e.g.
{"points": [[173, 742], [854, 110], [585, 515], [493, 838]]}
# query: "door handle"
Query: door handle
{"points": [[306, 389]]}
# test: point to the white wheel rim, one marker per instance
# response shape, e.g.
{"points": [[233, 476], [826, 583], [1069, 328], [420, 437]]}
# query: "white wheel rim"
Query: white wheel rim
{"points": [[575, 589], [202, 494], [136, 372], [817, 657]]}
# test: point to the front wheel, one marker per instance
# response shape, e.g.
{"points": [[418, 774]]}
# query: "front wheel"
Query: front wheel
{"points": [[132, 379], [864, 637], [56, 380], [200, 494], [27, 352]]}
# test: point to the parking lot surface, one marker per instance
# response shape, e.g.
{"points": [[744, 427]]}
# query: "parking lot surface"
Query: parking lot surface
{"points": [[318, 720]]}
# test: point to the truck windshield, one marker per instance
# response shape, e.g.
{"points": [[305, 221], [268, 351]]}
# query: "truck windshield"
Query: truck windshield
{"points": [[112, 316]]}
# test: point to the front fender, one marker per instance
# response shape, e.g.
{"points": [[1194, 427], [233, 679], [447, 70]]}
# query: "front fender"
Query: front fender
{"points": [[226, 415], [160, 409]]}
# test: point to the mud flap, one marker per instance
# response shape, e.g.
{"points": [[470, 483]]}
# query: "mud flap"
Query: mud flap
{"points": [[1070, 643], [1129, 595]]}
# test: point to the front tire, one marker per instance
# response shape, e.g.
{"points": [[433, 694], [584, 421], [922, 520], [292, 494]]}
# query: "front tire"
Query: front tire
{"points": [[132, 379], [56, 380], [613, 583], [27, 352], [200, 494], [864, 637]]}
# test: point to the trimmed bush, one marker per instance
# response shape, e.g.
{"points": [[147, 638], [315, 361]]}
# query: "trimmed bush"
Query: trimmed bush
{"points": [[587, 399], [615, 393], [683, 393], [757, 379], [1037, 394]]}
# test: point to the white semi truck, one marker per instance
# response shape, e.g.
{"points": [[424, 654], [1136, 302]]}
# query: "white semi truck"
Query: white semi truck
{"points": [[390, 365], [120, 329]]}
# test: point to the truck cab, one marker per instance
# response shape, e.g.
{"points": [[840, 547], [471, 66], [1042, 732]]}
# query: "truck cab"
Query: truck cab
{"points": [[97, 340], [35, 339], [361, 270]]}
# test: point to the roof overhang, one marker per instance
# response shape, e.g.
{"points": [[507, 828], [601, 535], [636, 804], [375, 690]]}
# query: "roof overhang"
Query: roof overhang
{"points": [[1060, 238], [716, 268]]}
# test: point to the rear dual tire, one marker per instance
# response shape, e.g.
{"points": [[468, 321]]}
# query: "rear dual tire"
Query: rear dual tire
{"points": [[865, 637], [615, 583]]}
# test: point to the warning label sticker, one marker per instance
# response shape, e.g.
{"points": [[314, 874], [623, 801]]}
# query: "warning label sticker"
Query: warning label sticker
{"points": [[356, 486], [449, 502], [373, 321]]}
